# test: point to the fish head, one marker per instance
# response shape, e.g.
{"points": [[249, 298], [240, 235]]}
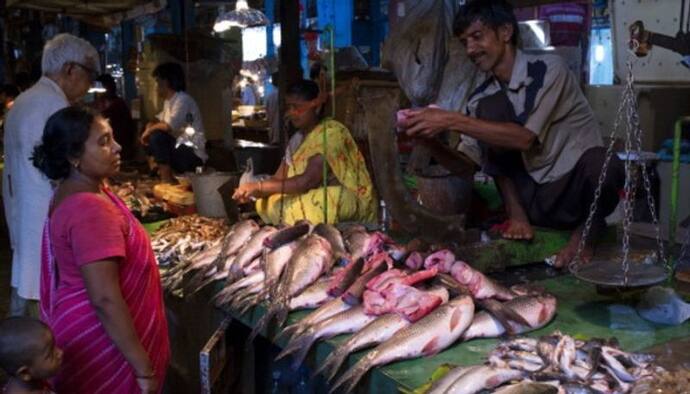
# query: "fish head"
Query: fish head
{"points": [[548, 304]]}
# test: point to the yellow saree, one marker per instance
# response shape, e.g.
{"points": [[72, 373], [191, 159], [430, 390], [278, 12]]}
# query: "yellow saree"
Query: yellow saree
{"points": [[352, 199]]}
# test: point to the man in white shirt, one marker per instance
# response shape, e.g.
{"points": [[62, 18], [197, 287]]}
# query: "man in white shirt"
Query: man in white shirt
{"points": [[179, 108], [69, 64]]}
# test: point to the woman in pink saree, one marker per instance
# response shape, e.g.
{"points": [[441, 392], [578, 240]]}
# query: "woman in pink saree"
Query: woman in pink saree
{"points": [[100, 288]]}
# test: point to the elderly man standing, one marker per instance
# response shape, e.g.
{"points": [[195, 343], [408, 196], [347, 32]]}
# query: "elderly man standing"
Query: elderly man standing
{"points": [[69, 64]]}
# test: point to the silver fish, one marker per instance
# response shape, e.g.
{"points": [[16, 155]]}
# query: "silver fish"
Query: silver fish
{"points": [[312, 297], [426, 337], [335, 238], [525, 387], [484, 377], [440, 386], [311, 260], [345, 322], [537, 310], [376, 332], [479, 284], [226, 294], [250, 251], [325, 311]]}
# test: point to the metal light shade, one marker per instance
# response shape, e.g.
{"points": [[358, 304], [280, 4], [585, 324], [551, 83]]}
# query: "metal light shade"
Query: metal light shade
{"points": [[242, 16]]}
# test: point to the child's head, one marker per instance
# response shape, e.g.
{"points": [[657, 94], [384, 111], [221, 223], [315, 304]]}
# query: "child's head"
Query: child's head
{"points": [[27, 349]]}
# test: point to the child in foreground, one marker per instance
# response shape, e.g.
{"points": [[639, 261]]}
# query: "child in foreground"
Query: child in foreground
{"points": [[28, 355]]}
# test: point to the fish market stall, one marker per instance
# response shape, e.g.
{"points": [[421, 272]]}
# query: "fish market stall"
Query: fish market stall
{"points": [[434, 307]]}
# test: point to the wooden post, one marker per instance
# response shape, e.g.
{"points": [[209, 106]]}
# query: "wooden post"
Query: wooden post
{"points": [[289, 52]]}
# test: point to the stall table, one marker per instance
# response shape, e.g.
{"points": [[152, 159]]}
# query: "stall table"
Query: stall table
{"points": [[582, 312]]}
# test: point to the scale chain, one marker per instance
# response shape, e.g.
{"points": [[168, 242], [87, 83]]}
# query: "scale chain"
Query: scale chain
{"points": [[575, 264], [633, 144]]}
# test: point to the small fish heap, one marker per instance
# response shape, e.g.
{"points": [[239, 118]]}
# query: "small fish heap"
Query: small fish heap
{"points": [[552, 364], [181, 238], [400, 300]]}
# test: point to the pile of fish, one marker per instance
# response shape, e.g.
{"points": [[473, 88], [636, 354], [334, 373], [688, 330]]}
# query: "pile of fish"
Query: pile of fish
{"points": [[400, 300], [179, 239], [552, 364], [135, 198]]}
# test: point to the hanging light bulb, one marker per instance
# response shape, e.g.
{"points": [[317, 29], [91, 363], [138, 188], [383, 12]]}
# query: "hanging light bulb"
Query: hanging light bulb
{"points": [[242, 16]]}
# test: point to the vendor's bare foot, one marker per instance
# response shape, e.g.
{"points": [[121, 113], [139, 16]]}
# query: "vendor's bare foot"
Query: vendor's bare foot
{"points": [[518, 230], [566, 255]]}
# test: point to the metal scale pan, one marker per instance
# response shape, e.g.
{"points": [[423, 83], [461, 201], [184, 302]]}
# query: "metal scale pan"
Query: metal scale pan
{"points": [[610, 273]]}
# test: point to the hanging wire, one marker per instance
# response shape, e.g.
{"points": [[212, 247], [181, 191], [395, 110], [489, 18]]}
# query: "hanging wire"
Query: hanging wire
{"points": [[331, 71], [682, 15]]}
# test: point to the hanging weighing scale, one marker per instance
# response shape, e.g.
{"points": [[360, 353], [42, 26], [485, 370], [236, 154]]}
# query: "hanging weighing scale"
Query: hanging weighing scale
{"points": [[622, 271]]}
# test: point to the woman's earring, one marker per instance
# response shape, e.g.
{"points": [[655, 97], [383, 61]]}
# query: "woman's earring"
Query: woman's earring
{"points": [[75, 165]]}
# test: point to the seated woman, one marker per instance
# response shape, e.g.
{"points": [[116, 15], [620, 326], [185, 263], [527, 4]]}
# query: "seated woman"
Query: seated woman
{"points": [[296, 191], [100, 287]]}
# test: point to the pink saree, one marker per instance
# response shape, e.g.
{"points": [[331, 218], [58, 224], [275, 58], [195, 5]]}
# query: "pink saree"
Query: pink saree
{"points": [[89, 228]]}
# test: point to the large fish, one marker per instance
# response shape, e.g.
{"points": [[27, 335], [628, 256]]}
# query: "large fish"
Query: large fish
{"points": [[231, 244], [287, 234], [239, 235], [273, 263], [311, 260], [536, 310], [325, 311], [252, 250], [428, 336], [483, 378], [345, 322], [312, 297], [441, 385], [227, 293], [376, 332], [335, 238], [362, 243], [346, 277], [526, 387], [479, 284], [374, 266]]}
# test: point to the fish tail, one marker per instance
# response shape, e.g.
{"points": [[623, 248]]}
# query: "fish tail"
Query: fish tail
{"points": [[248, 305], [203, 284], [290, 331], [198, 278], [219, 298], [333, 363], [350, 379], [234, 275], [283, 307], [298, 347], [263, 323], [242, 299]]}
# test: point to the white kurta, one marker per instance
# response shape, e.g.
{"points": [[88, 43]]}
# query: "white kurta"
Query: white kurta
{"points": [[175, 110], [26, 191]]}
